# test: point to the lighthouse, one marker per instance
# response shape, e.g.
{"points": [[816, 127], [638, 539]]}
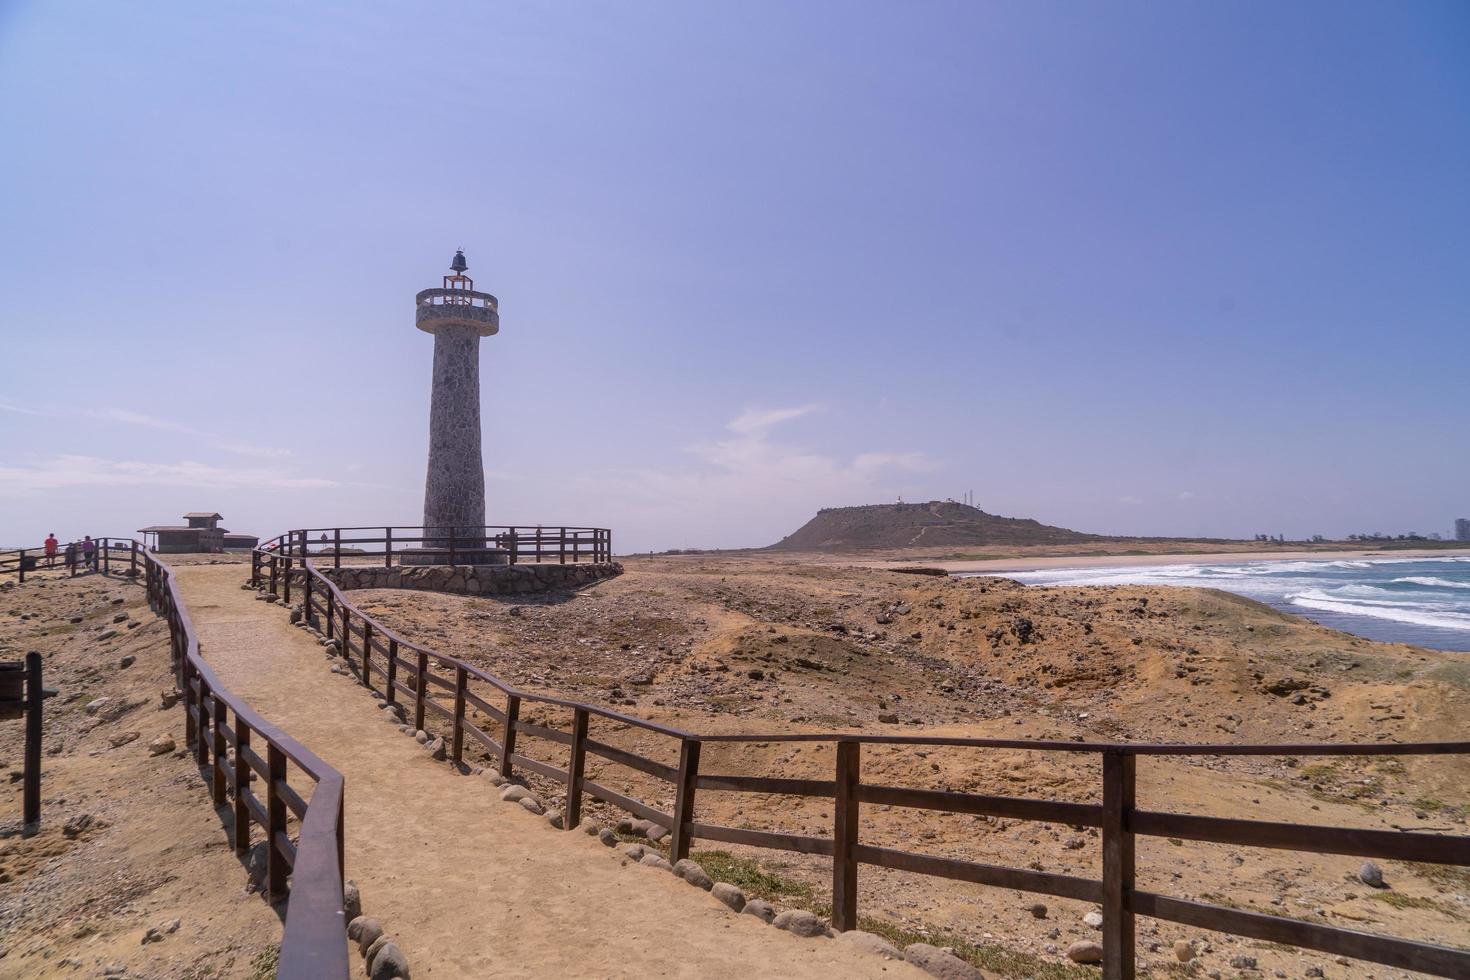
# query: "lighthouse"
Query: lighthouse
{"points": [[454, 488]]}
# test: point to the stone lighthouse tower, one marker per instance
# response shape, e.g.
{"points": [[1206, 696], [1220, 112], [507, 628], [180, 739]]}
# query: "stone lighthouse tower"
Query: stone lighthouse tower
{"points": [[454, 491]]}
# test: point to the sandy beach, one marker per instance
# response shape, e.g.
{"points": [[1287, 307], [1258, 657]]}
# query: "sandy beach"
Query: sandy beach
{"points": [[1001, 565]]}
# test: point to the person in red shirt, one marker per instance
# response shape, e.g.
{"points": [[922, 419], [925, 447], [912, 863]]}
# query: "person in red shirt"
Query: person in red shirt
{"points": [[51, 545]]}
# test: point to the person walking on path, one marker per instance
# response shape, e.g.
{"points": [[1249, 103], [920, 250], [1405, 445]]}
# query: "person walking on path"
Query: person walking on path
{"points": [[89, 552], [71, 557], [51, 545]]}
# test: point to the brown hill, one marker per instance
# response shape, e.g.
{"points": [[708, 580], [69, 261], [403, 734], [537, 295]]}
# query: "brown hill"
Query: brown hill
{"points": [[933, 524]]}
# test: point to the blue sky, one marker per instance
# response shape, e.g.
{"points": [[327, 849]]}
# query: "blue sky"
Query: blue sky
{"points": [[1160, 268]]}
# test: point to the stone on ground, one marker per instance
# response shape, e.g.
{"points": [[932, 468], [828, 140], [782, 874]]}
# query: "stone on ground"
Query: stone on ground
{"points": [[388, 964], [368, 932], [555, 818], [607, 837], [653, 860], [940, 963], [1093, 919], [635, 852], [374, 948], [800, 922], [590, 827], [761, 909], [1371, 875], [530, 805], [162, 745], [351, 901], [1184, 950], [729, 895], [694, 874], [514, 794], [355, 926], [1085, 951]]}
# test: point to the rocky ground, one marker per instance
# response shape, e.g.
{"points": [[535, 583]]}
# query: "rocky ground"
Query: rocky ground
{"points": [[131, 872], [756, 645]]}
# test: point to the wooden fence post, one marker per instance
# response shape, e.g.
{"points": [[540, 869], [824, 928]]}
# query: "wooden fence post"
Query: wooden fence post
{"points": [[561, 550], [336, 547], [391, 694], [306, 613], [286, 586], [275, 565], [35, 697], [217, 773], [456, 751], [22, 569], [684, 798], [275, 811], [845, 837], [387, 547], [188, 688], [331, 614], [202, 743], [419, 692], [1117, 871], [575, 768], [134, 566], [242, 786], [508, 742], [367, 653], [254, 569]]}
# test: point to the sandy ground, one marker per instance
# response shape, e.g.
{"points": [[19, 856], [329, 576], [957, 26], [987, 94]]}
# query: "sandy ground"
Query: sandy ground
{"points": [[155, 850], [999, 566], [468, 885]]}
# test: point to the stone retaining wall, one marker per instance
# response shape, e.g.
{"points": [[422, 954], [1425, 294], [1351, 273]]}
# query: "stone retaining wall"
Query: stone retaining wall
{"points": [[474, 579]]}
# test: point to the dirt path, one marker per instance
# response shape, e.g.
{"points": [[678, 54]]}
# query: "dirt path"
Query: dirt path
{"points": [[471, 886]]}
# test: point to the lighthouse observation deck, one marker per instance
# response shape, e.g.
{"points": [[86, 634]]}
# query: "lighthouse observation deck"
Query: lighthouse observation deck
{"points": [[441, 306]]}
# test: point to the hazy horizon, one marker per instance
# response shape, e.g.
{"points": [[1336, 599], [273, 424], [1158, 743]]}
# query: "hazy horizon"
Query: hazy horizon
{"points": [[1162, 270]]}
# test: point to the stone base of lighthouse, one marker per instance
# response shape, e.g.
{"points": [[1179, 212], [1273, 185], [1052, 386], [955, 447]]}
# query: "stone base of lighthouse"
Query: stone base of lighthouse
{"points": [[461, 556]]}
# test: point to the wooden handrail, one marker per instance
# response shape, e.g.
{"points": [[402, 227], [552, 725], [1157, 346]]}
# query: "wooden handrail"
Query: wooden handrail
{"points": [[313, 943]]}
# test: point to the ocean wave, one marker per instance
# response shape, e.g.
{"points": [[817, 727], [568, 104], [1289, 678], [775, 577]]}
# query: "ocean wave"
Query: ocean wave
{"points": [[1395, 612], [1432, 582]]}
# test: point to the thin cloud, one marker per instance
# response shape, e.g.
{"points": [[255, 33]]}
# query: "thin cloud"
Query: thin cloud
{"points": [[126, 416], [753, 482], [70, 471], [754, 421]]}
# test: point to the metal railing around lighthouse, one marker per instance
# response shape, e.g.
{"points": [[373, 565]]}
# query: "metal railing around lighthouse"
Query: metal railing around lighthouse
{"points": [[455, 297], [522, 544]]}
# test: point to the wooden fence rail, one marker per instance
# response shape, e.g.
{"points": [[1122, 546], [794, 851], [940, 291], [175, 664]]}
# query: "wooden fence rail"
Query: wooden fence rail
{"points": [[219, 724], [381, 659]]}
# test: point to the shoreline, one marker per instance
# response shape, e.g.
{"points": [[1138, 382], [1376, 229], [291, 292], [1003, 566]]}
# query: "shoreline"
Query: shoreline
{"points": [[1001, 565]]}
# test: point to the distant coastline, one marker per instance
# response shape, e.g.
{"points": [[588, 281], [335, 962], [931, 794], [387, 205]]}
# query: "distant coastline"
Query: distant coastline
{"points": [[999, 566]]}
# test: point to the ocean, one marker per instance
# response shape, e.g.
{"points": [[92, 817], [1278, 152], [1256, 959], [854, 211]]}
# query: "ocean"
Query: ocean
{"points": [[1424, 601]]}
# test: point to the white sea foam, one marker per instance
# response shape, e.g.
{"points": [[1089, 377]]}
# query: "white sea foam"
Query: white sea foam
{"points": [[1417, 615], [1432, 582]]}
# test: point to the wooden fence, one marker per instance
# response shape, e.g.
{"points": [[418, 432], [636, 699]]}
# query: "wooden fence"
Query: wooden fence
{"points": [[218, 722], [522, 544], [26, 562], [404, 672]]}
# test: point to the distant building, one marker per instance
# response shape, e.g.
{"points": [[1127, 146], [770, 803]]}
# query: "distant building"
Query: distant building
{"points": [[1462, 529], [201, 534]]}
